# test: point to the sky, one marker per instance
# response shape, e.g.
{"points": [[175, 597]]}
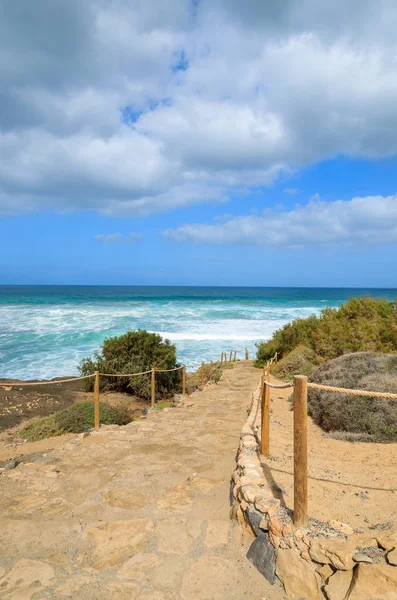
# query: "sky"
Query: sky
{"points": [[198, 142]]}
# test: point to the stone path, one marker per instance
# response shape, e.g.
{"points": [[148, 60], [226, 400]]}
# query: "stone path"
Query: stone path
{"points": [[140, 511]]}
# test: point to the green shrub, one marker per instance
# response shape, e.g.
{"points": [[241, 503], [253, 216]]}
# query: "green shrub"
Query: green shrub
{"points": [[74, 419], [135, 352], [301, 361], [362, 324], [374, 418]]}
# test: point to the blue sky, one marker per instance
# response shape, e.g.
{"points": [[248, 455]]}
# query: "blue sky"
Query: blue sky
{"points": [[161, 144]]}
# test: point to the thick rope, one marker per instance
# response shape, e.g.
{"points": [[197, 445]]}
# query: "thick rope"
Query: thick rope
{"points": [[281, 386], [329, 388], [168, 370], [25, 384], [124, 374]]}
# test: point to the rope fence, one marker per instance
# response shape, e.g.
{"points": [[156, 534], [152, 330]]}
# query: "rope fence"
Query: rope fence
{"points": [[54, 381], [97, 374], [329, 388], [300, 386]]}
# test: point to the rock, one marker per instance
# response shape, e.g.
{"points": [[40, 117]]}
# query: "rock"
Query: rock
{"points": [[127, 498], [297, 576], [306, 556], [386, 543], [262, 556], [26, 579], [84, 434], [114, 542], [217, 533], [231, 496], [325, 572], [12, 464], [392, 557], [374, 582], [174, 537], [177, 500], [362, 558], [338, 585], [276, 526], [342, 527], [137, 567], [274, 539], [249, 492], [336, 552], [287, 528], [255, 519], [266, 504]]}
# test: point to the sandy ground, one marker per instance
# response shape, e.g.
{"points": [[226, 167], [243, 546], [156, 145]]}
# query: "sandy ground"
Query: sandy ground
{"points": [[140, 511], [355, 483]]}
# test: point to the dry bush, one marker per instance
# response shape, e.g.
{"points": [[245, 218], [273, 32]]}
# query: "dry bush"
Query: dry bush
{"points": [[301, 361], [374, 418]]}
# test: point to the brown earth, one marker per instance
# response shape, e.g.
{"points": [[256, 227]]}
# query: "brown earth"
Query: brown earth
{"points": [[352, 482], [140, 511]]}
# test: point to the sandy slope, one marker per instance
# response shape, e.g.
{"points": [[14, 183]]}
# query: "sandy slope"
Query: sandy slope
{"points": [[140, 511]]}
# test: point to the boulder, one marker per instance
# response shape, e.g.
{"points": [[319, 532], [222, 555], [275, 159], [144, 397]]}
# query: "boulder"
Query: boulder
{"points": [[374, 582], [392, 557], [338, 585], [262, 556], [325, 572], [342, 527], [297, 575], [255, 518], [337, 552]]}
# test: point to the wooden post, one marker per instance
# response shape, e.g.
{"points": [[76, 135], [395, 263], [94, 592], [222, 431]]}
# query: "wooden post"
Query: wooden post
{"points": [[246, 354], [202, 373], [230, 355], [96, 400], [221, 358], [184, 379], [153, 386], [211, 370], [234, 359], [265, 424], [300, 450]]}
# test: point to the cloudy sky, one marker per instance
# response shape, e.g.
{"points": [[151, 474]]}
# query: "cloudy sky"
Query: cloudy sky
{"points": [[198, 142]]}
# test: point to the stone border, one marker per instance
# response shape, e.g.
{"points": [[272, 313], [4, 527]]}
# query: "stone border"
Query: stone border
{"points": [[322, 561]]}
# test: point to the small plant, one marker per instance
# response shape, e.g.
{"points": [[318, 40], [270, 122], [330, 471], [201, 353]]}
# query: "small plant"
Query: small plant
{"points": [[301, 361], [75, 419], [135, 352]]}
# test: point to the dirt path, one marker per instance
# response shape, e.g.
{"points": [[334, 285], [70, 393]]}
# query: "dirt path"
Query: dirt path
{"points": [[140, 511], [358, 480]]}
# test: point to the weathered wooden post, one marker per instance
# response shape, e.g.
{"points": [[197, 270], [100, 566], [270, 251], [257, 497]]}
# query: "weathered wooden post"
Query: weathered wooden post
{"points": [[202, 373], [221, 358], [246, 354], [265, 423], [211, 370], [235, 353], [96, 400], [184, 379], [230, 355], [300, 450], [153, 394]]}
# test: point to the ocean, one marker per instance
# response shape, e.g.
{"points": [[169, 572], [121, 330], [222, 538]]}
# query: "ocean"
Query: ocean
{"points": [[46, 330]]}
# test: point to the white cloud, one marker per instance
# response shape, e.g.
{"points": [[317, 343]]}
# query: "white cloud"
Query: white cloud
{"points": [[269, 88], [119, 238], [368, 220]]}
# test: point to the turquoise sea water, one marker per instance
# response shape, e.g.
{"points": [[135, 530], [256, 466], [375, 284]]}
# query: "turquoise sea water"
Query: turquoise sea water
{"points": [[46, 330]]}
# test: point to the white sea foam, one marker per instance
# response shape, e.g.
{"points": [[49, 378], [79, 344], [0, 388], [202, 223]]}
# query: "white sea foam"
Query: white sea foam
{"points": [[49, 340]]}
